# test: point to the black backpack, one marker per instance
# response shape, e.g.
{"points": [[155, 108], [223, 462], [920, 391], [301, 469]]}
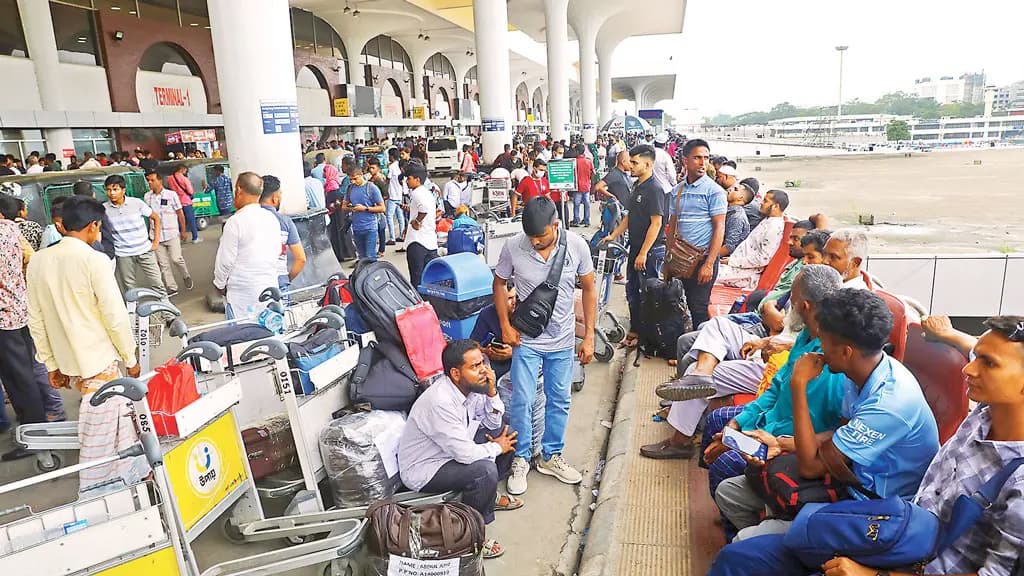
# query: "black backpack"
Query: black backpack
{"points": [[664, 317], [379, 291], [384, 378]]}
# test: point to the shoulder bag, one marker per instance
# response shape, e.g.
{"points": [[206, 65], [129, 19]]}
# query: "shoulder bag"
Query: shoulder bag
{"points": [[681, 257], [889, 532], [447, 530], [532, 315]]}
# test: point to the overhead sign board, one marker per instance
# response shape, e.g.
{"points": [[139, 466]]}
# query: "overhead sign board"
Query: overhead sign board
{"points": [[493, 124], [341, 107], [419, 112], [651, 114], [562, 174]]}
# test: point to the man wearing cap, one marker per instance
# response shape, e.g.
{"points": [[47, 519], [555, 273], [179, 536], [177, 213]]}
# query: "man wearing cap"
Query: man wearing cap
{"points": [[753, 208], [664, 167], [737, 227], [421, 236], [527, 259], [726, 175]]}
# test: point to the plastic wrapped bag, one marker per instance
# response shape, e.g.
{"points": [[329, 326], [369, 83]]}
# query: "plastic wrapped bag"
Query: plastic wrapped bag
{"points": [[360, 453], [173, 388]]}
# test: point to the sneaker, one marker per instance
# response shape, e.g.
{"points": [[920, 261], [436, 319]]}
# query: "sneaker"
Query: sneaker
{"points": [[557, 466], [172, 293], [389, 243], [189, 284], [197, 241], [517, 479]]}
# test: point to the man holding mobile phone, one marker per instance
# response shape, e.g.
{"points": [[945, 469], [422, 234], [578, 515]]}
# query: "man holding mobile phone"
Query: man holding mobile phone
{"points": [[487, 332]]}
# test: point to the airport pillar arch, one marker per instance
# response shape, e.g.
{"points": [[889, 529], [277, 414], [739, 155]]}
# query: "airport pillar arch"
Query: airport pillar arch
{"points": [[251, 141], [490, 21], [42, 47], [604, 60], [419, 80], [556, 15], [587, 34]]}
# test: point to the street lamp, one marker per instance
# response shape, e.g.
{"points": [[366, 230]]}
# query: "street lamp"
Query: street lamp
{"points": [[839, 109]]}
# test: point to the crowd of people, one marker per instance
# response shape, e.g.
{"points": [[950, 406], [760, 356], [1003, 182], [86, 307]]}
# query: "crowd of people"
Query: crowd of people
{"points": [[812, 348]]}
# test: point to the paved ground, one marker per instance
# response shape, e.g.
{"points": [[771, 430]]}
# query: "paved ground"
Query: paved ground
{"points": [[543, 538]]}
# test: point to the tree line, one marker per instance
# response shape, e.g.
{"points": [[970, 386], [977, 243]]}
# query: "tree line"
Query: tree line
{"points": [[898, 103]]}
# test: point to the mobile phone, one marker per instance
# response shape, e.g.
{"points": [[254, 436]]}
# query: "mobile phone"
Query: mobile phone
{"points": [[741, 442], [487, 340], [498, 344]]}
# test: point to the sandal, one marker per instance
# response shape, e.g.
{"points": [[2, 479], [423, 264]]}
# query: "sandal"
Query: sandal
{"points": [[506, 502], [492, 549], [672, 361]]}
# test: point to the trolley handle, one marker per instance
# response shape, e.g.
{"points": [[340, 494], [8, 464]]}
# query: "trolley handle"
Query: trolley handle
{"points": [[270, 293], [333, 309], [326, 319], [178, 328], [133, 389], [269, 347], [613, 245], [151, 307], [136, 294], [207, 350]]}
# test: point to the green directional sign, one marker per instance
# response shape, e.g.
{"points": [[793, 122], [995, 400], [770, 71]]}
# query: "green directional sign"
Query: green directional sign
{"points": [[562, 174]]}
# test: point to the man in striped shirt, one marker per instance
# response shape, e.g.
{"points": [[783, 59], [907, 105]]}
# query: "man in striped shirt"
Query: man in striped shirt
{"points": [[134, 251]]}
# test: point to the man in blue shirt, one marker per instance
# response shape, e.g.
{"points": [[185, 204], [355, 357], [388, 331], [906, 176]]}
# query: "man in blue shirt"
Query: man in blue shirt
{"points": [[223, 190], [290, 241], [487, 331], [699, 206], [363, 202], [890, 435]]}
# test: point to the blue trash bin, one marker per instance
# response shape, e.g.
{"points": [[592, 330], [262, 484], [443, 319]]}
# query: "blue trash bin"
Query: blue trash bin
{"points": [[458, 286]]}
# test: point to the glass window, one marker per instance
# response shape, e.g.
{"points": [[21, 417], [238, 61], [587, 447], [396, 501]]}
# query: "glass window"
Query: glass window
{"points": [[371, 54], [162, 10], [339, 46], [167, 59], [194, 14], [12, 36], [302, 29], [92, 140], [323, 32], [75, 30]]}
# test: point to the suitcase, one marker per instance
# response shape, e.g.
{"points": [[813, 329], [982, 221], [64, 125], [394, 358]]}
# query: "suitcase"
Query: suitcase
{"points": [[270, 447]]}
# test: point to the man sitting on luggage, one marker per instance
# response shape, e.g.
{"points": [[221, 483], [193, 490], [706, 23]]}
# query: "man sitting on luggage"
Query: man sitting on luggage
{"points": [[989, 439], [488, 331], [743, 267], [456, 439]]}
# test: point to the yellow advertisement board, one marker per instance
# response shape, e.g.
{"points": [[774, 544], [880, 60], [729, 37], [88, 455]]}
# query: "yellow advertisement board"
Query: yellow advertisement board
{"points": [[205, 469], [341, 107], [530, 118], [159, 563], [419, 112]]}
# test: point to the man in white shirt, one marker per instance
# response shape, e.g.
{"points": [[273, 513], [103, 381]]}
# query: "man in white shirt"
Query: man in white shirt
{"points": [[846, 251], [396, 194], [90, 161], [34, 167], [421, 236], [247, 259], [457, 438], [664, 167], [167, 205], [743, 267], [453, 194]]}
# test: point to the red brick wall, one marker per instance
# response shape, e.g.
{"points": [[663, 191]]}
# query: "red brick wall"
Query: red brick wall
{"points": [[324, 65], [122, 58]]}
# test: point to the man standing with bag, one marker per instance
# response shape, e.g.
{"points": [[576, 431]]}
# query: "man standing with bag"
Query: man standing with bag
{"points": [[543, 262], [697, 207]]}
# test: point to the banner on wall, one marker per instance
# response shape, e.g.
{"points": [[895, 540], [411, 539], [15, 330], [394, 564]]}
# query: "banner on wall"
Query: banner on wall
{"points": [[157, 92], [419, 112], [341, 107]]}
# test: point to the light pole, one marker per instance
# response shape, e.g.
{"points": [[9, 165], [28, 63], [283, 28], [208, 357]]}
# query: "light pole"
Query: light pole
{"points": [[839, 110]]}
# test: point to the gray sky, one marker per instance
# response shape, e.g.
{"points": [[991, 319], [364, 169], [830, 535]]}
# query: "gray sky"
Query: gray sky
{"points": [[753, 54]]}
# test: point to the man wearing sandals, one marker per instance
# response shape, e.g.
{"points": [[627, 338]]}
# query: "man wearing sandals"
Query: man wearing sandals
{"points": [[457, 437]]}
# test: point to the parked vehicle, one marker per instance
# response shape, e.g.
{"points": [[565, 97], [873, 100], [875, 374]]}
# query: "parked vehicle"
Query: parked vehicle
{"points": [[200, 173], [39, 190], [443, 152]]}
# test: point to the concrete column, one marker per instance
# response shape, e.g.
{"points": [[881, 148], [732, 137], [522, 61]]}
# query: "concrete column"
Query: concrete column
{"points": [[422, 94], [587, 33], [604, 61], [490, 21], [42, 48], [556, 34], [238, 52]]}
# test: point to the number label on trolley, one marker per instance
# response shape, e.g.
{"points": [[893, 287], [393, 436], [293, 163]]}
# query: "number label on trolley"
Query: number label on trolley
{"points": [[144, 423], [286, 383]]}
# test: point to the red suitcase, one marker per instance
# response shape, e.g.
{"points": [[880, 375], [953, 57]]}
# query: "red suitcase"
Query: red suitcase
{"points": [[270, 447]]}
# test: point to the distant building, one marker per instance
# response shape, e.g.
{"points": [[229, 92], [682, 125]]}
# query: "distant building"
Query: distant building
{"points": [[1006, 98], [870, 128], [968, 88]]}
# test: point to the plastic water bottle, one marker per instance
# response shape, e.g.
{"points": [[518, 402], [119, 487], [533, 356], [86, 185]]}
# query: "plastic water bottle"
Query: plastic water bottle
{"points": [[271, 320]]}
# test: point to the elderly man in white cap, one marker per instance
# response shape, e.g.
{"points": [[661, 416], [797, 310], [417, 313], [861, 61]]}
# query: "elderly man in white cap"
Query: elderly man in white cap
{"points": [[664, 167]]}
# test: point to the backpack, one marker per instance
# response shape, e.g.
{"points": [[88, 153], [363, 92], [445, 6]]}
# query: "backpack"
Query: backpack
{"points": [[384, 378], [380, 291], [664, 317], [466, 239], [337, 292]]}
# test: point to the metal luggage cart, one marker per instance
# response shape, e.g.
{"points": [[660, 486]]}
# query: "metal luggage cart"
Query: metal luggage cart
{"points": [[608, 326], [499, 192], [142, 304]]}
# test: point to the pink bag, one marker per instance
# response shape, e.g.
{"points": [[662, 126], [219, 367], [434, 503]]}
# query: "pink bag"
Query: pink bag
{"points": [[422, 338]]}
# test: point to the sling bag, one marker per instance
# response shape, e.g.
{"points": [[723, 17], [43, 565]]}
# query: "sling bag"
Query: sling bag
{"points": [[532, 315], [681, 257]]}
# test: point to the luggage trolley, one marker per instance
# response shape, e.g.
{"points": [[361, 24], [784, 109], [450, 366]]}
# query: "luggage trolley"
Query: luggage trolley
{"points": [[605, 262], [144, 528], [499, 191]]}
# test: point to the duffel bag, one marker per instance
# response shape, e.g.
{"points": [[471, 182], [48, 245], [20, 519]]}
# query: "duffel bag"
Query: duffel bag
{"points": [[452, 310], [318, 348], [227, 336], [383, 378], [269, 447], [446, 535]]}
